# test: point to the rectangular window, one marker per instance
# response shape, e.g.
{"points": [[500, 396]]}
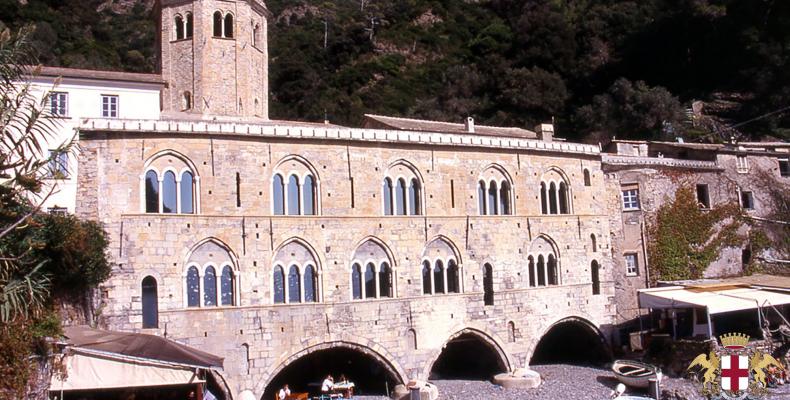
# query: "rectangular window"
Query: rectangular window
{"points": [[58, 104], [747, 200], [58, 167], [742, 164], [703, 197], [631, 265], [109, 106], [631, 199], [784, 167]]}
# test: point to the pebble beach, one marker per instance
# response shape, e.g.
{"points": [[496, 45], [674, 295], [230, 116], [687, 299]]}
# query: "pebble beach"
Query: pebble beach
{"points": [[567, 382]]}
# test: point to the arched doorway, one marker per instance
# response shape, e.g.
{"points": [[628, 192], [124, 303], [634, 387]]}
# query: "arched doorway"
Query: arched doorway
{"points": [[468, 356], [571, 341], [370, 374]]}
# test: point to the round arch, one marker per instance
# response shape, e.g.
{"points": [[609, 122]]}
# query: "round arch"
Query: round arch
{"points": [[371, 349], [577, 321], [174, 153], [503, 359]]}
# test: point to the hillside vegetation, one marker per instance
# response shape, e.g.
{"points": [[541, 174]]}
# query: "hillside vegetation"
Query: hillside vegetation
{"points": [[598, 68]]}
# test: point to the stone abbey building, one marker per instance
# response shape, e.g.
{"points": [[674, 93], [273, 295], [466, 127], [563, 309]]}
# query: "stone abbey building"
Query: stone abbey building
{"points": [[270, 243]]}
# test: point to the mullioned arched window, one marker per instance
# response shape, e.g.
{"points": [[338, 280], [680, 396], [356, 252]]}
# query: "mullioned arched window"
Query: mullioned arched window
{"points": [[169, 185]]}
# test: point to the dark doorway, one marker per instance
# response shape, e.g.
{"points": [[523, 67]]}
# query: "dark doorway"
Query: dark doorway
{"points": [[467, 357], [570, 342], [306, 373]]}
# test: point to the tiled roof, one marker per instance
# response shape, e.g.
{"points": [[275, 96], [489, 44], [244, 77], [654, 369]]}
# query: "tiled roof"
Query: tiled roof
{"points": [[421, 125], [99, 75]]}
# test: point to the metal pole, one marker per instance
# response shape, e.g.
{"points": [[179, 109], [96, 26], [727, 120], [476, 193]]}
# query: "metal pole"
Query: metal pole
{"points": [[710, 324]]}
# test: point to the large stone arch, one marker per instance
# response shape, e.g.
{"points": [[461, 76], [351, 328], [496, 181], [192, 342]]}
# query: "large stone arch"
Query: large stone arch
{"points": [[506, 361], [367, 347], [588, 325]]}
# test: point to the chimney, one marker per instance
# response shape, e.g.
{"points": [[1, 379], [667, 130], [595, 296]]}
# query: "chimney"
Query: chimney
{"points": [[470, 125], [545, 132]]}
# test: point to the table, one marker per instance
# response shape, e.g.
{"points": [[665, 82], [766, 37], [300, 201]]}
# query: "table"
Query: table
{"points": [[344, 388]]}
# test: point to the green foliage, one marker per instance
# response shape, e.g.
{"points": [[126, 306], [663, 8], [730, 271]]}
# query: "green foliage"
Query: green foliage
{"points": [[600, 68], [43, 258], [75, 250], [685, 240]]}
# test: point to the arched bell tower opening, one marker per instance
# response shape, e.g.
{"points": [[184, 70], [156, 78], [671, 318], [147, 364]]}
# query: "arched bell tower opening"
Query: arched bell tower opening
{"points": [[217, 52]]}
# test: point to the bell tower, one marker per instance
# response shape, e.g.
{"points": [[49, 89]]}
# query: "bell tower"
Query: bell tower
{"points": [[214, 57]]}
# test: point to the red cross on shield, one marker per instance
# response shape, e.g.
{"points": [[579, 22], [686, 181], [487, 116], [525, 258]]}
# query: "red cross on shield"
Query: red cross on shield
{"points": [[734, 373]]}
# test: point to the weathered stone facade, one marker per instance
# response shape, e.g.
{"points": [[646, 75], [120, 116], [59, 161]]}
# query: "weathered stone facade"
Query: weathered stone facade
{"points": [[259, 338], [657, 170], [215, 73]]}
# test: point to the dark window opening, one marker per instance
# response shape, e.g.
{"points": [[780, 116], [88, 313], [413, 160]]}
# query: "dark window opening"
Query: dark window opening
{"points": [[784, 167], [488, 285], [747, 201], [228, 26], [150, 303], [217, 24], [596, 282], [703, 197]]}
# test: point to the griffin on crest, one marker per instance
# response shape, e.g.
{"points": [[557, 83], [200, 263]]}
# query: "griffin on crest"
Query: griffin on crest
{"points": [[711, 365]]}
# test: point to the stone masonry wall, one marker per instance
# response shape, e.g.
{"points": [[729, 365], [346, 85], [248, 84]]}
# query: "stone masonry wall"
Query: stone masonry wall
{"points": [[158, 245]]}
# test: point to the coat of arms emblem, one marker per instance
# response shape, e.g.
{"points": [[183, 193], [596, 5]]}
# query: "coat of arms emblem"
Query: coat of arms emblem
{"points": [[735, 371]]}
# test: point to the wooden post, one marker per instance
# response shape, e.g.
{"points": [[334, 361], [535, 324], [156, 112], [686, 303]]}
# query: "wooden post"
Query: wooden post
{"points": [[199, 393]]}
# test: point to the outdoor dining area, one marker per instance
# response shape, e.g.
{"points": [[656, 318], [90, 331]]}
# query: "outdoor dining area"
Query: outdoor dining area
{"points": [[330, 390]]}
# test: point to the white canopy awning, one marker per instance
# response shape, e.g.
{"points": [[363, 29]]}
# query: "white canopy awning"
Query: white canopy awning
{"points": [[89, 371], [717, 301]]}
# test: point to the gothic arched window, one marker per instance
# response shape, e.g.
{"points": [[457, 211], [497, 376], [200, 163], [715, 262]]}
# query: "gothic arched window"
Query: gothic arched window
{"points": [[193, 287], [279, 284], [189, 26], [151, 192], [555, 193], [310, 293], [217, 24], [488, 284], [414, 197], [541, 271], [294, 285], [400, 197], [308, 196], [226, 285], [293, 195], [531, 266], [385, 280], [386, 193], [210, 287], [587, 181], [187, 186], [179, 27], [452, 277], [356, 281], [427, 285], [438, 277], [174, 190], [593, 243], [228, 28], [169, 193], [295, 188], [481, 198], [370, 281], [278, 195], [150, 303]]}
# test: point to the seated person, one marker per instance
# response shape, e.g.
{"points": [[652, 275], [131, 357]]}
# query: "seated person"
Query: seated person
{"points": [[284, 393], [327, 385]]}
